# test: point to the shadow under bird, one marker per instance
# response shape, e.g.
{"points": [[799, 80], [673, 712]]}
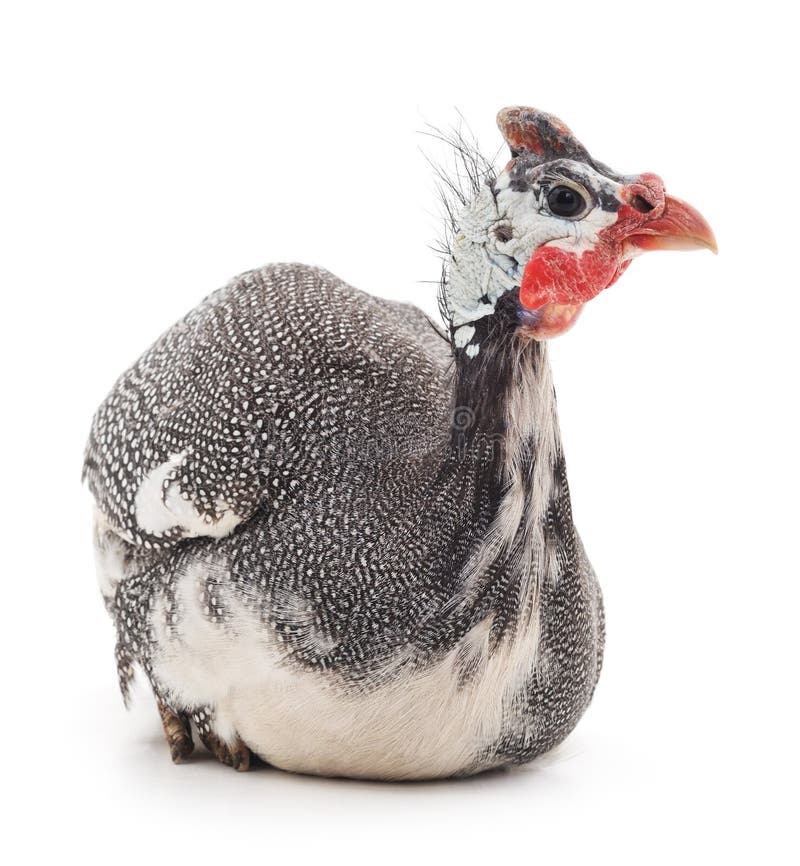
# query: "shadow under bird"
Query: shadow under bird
{"points": [[340, 539]]}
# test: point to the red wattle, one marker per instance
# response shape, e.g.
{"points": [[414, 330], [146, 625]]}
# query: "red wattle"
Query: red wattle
{"points": [[558, 276]]}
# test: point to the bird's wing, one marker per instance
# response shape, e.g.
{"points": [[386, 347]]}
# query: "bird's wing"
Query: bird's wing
{"points": [[198, 433]]}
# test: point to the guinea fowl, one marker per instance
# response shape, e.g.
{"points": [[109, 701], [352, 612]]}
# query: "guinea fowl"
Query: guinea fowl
{"points": [[339, 539]]}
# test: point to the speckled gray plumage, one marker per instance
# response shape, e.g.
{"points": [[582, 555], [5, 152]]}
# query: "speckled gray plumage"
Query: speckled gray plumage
{"points": [[324, 418]]}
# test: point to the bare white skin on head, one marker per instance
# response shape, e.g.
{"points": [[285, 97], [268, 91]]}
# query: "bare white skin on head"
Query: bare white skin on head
{"points": [[474, 281], [502, 228]]}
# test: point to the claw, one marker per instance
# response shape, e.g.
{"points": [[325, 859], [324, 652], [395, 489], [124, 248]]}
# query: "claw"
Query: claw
{"points": [[237, 755], [178, 734], [240, 757], [181, 751]]}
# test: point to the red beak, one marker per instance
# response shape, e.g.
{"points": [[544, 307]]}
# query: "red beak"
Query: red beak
{"points": [[678, 227]]}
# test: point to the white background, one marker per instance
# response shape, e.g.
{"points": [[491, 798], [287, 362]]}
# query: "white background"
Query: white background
{"points": [[153, 150]]}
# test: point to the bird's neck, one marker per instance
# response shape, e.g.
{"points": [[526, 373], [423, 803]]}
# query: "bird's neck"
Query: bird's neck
{"points": [[504, 431], [504, 406]]}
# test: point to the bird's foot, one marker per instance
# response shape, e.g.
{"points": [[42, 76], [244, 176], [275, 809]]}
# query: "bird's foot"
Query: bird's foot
{"points": [[178, 733], [235, 755]]}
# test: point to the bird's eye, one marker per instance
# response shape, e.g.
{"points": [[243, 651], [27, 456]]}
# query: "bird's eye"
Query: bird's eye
{"points": [[564, 201]]}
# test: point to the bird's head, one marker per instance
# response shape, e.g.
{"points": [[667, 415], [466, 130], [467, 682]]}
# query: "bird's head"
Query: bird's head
{"points": [[556, 227]]}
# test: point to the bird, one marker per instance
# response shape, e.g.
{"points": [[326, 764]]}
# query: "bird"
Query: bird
{"points": [[336, 536]]}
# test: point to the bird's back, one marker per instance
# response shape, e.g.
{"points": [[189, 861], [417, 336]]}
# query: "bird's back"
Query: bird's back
{"points": [[283, 361]]}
